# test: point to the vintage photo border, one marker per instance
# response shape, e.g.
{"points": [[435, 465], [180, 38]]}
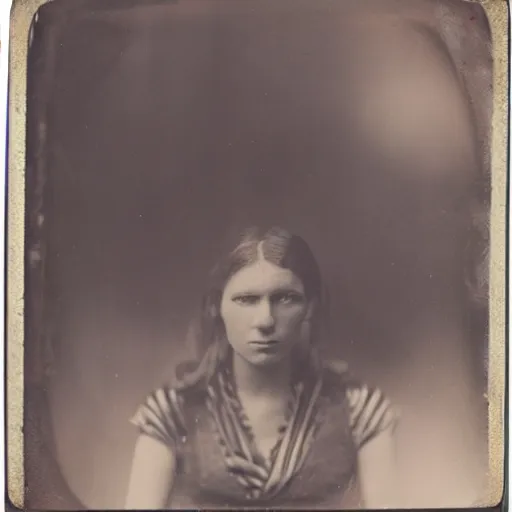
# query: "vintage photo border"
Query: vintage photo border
{"points": [[22, 15]]}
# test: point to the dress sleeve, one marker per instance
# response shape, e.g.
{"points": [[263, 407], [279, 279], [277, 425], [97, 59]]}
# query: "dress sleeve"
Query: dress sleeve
{"points": [[370, 413], [161, 417]]}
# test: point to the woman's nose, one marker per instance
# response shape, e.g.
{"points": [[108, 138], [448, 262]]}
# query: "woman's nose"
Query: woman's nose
{"points": [[264, 318]]}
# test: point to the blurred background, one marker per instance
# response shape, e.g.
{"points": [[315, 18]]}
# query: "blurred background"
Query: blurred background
{"points": [[157, 130]]}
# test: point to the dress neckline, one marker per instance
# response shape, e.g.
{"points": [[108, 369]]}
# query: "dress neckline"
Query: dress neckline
{"points": [[245, 423], [264, 479]]}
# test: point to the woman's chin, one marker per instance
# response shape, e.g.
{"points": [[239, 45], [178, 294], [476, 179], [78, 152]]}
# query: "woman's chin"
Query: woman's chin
{"points": [[262, 358]]}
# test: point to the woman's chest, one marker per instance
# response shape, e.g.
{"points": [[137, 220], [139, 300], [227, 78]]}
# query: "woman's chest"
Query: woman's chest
{"points": [[263, 425], [309, 462]]}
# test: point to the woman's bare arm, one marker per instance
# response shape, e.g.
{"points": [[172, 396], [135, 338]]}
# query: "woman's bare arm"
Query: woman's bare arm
{"points": [[377, 472], [152, 475]]}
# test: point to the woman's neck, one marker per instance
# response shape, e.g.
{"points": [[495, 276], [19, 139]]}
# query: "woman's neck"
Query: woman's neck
{"points": [[269, 380]]}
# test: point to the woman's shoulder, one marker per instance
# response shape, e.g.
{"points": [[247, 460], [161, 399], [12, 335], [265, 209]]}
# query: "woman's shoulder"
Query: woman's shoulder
{"points": [[161, 415], [163, 412], [370, 409]]}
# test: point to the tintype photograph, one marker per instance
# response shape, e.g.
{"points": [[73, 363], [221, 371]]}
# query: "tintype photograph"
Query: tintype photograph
{"points": [[257, 254]]}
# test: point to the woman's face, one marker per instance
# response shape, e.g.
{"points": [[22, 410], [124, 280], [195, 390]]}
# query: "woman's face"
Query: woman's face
{"points": [[264, 307]]}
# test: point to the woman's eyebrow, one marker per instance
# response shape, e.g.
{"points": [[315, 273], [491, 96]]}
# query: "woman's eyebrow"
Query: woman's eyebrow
{"points": [[288, 289], [246, 292]]}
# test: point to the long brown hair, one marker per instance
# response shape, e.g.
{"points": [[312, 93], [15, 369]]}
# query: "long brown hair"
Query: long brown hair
{"points": [[279, 247]]}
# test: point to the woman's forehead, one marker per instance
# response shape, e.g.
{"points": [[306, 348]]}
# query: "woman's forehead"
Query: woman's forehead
{"points": [[263, 277]]}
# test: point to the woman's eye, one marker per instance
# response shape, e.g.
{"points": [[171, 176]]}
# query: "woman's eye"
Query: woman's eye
{"points": [[246, 299], [290, 298]]}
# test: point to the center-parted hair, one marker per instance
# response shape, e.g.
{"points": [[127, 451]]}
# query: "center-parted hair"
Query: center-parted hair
{"points": [[277, 246]]}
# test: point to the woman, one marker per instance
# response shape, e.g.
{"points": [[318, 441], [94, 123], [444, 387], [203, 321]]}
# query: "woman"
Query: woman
{"points": [[262, 421]]}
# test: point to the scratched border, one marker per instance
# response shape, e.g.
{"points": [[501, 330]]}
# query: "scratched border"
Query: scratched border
{"points": [[23, 12]]}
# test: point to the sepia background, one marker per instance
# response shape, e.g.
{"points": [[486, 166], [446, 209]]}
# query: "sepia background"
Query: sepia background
{"points": [[157, 130]]}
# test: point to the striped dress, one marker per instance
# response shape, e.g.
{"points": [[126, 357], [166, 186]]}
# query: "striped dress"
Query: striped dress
{"points": [[313, 462]]}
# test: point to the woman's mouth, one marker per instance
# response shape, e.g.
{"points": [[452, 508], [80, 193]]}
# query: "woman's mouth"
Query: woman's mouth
{"points": [[264, 345]]}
